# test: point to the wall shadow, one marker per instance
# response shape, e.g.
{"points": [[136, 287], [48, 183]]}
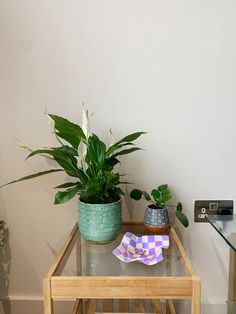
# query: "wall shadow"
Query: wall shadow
{"points": [[128, 204]]}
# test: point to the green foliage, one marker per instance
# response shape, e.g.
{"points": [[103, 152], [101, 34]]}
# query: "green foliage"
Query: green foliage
{"points": [[159, 198], [33, 176], [136, 194], [94, 178], [3, 233], [182, 218], [72, 133]]}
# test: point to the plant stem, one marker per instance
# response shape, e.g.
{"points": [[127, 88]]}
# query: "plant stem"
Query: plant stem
{"points": [[153, 202]]}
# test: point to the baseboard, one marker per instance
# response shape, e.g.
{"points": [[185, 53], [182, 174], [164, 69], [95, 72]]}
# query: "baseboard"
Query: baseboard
{"points": [[23, 305], [32, 306], [183, 307]]}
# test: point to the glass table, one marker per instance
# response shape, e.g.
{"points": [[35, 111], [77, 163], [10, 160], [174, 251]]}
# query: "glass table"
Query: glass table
{"points": [[226, 227], [99, 282]]}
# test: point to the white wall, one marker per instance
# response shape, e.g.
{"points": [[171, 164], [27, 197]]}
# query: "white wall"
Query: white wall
{"points": [[166, 67]]}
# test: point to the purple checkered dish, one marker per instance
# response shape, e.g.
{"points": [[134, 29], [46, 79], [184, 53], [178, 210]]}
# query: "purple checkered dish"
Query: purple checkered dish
{"points": [[147, 249]]}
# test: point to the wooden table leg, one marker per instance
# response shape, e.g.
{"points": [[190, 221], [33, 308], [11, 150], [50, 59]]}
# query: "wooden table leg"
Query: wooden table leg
{"points": [[232, 277], [124, 305], [48, 302], [78, 307], [139, 306], [196, 301], [92, 304], [78, 257], [107, 306], [169, 272], [156, 305], [170, 307]]}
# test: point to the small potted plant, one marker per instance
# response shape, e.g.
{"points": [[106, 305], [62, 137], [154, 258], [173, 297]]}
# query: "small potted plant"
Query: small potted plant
{"points": [[156, 217], [90, 164]]}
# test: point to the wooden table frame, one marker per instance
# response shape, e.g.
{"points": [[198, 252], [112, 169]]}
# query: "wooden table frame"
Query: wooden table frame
{"points": [[232, 279], [119, 287]]}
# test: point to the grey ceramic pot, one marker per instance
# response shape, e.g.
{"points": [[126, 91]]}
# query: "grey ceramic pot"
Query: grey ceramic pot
{"points": [[99, 223], [156, 219]]}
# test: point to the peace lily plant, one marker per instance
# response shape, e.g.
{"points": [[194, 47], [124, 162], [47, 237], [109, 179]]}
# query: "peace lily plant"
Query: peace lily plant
{"points": [[86, 160]]}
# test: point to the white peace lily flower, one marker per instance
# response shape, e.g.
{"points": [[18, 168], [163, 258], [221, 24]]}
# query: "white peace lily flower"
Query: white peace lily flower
{"points": [[112, 137], [87, 132], [86, 122], [21, 143], [51, 122]]}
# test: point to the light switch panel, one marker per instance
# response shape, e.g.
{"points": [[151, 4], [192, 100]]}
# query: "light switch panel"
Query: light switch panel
{"points": [[203, 208]]}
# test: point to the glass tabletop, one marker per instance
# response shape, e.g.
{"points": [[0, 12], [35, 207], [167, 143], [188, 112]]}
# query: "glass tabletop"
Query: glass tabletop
{"points": [[98, 260], [226, 227], [231, 307]]}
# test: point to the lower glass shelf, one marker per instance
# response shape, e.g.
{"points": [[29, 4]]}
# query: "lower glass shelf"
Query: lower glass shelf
{"points": [[231, 307]]}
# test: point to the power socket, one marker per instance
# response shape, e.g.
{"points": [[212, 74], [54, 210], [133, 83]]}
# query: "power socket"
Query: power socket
{"points": [[203, 208]]}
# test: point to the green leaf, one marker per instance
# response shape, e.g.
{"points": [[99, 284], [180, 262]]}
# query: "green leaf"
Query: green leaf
{"points": [[68, 131], [40, 151], [82, 176], [119, 191], [163, 187], [127, 151], [179, 207], [182, 218], [58, 151], [166, 196], [110, 163], [62, 197], [66, 149], [131, 137], [156, 194], [66, 185], [96, 150], [146, 196], [63, 156], [136, 194], [93, 192], [127, 140], [116, 146], [112, 179], [33, 176]]}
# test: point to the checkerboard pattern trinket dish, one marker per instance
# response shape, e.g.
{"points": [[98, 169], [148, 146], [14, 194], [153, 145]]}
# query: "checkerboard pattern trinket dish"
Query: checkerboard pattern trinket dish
{"points": [[146, 249]]}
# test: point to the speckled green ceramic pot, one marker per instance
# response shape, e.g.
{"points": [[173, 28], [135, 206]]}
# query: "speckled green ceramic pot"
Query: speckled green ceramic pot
{"points": [[99, 223]]}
